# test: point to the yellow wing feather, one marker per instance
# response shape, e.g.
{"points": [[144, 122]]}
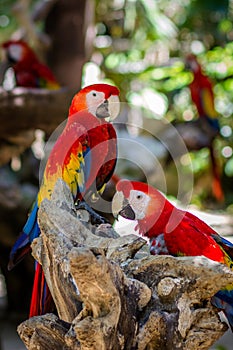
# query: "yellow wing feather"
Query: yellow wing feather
{"points": [[208, 104], [72, 173]]}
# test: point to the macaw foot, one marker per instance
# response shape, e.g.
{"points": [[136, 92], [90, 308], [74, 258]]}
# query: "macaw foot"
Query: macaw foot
{"points": [[96, 219]]}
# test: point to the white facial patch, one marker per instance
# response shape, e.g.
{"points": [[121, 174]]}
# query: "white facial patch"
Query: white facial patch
{"points": [[194, 65], [94, 99], [114, 106], [139, 202], [15, 52]]}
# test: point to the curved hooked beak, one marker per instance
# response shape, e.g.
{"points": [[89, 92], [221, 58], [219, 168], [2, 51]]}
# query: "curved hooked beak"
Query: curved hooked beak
{"points": [[109, 108], [121, 206], [191, 66], [102, 111], [127, 212]]}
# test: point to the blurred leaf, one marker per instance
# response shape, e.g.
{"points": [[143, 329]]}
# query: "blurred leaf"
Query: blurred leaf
{"points": [[229, 167]]}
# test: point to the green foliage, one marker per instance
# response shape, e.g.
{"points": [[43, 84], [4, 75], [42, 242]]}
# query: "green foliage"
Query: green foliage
{"points": [[140, 46], [221, 347], [7, 21], [146, 56]]}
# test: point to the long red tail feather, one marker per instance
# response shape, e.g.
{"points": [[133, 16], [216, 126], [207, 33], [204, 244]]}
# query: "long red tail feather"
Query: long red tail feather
{"points": [[35, 300], [216, 183], [41, 301]]}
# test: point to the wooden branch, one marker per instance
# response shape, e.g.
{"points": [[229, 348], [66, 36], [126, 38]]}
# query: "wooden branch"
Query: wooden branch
{"points": [[111, 294], [50, 331], [28, 108], [24, 110]]}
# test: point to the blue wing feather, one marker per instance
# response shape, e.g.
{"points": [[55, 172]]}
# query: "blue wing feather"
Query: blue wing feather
{"points": [[87, 165], [226, 245], [22, 245], [223, 300], [31, 227]]}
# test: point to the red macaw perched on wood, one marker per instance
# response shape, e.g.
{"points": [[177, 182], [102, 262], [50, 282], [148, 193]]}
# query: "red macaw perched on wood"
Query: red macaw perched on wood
{"points": [[84, 156], [29, 71], [174, 231], [202, 95]]}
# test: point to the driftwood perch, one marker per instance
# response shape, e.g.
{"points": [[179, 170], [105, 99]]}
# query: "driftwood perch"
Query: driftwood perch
{"points": [[111, 294]]}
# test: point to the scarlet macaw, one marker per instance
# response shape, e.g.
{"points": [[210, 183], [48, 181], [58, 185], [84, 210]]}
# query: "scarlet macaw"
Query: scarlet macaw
{"points": [[201, 89], [174, 231], [84, 156], [28, 70]]}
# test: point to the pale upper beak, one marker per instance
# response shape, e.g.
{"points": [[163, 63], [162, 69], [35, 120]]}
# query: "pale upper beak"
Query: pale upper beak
{"points": [[113, 106], [103, 110], [110, 108], [121, 206]]}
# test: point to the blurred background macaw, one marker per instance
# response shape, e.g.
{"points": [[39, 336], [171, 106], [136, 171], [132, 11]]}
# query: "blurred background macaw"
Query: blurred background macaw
{"points": [[201, 132], [28, 70], [207, 126]]}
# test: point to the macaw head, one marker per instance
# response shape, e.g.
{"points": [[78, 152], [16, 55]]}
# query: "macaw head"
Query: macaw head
{"points": [[18, 51], [191, 63], [101, 100], [137, 201]]}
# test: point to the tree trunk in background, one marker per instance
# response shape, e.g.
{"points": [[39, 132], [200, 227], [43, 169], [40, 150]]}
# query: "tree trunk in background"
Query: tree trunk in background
{"points": [[69, 25]]}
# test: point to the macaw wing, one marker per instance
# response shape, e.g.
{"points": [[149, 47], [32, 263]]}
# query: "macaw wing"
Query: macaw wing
{"points": [[207, 99], [45, 77], [77, 168], [223, 300], [192, 237], [25, 78], [200, 224], [103, 154], [76, 164], [107, 169], [226, 245], [70, 160], [22, 245]]}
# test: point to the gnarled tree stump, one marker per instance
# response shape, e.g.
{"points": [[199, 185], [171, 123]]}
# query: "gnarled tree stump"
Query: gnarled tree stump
{"points": [[110, 293]]}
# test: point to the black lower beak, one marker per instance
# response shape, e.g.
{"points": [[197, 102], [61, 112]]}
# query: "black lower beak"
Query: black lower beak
{"points": [[127, 212], [10, 59], [102, 111]]}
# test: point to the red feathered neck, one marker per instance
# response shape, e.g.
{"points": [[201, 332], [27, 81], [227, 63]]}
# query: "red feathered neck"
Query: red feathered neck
{"points": [[156, 221]]}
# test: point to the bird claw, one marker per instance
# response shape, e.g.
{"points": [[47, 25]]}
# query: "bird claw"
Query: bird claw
{"points": [[95, 218]]}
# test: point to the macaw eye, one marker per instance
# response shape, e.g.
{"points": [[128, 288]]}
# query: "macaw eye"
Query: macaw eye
{"points": [[139, 196], [94, 94]]}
